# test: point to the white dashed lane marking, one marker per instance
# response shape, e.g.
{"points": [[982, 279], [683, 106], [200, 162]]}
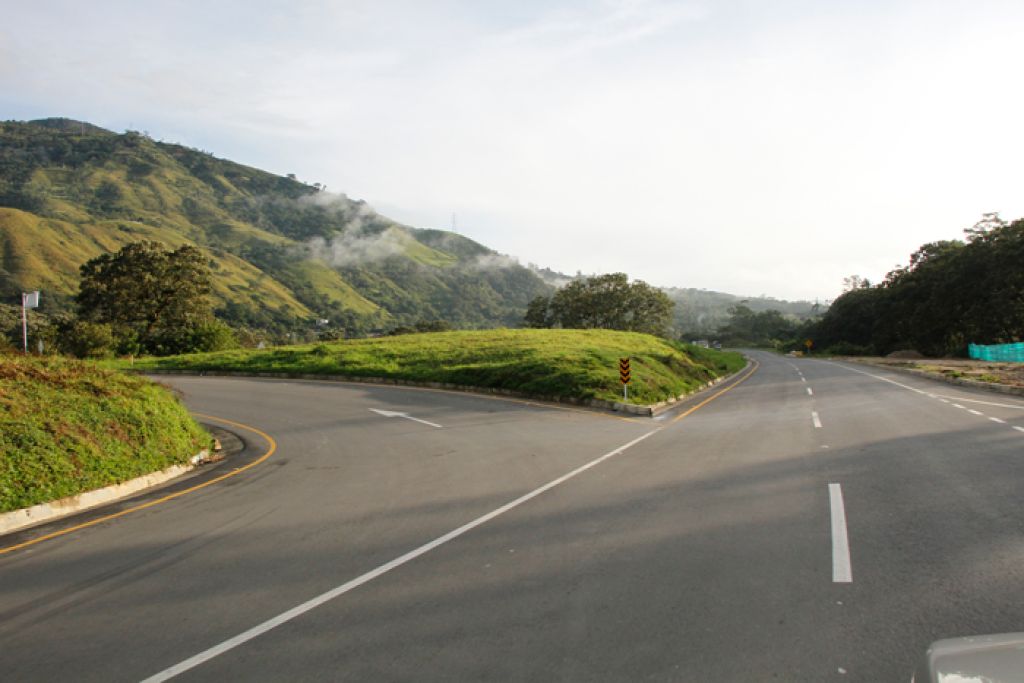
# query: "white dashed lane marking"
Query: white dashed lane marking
{"points": [[841, 568]]}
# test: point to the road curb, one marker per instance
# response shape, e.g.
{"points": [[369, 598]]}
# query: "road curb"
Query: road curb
{"points": [[958, 381], [15, 520]]}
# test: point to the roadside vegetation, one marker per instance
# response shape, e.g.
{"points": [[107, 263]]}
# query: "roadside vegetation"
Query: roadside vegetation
{"points": [[953, 293], [67, 427], [578, 364]]}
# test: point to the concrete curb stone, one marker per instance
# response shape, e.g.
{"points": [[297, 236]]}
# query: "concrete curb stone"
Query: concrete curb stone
{"points": [[16, 520]]}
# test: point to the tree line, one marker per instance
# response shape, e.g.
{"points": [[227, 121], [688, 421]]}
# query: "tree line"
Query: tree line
{"points": [[951, 294]]}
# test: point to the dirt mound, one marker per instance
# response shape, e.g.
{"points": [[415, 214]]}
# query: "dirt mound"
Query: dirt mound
{"points": [[906, 354]]}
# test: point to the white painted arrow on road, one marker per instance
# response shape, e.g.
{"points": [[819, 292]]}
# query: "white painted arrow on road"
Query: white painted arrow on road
{"points": [[407, 416]]}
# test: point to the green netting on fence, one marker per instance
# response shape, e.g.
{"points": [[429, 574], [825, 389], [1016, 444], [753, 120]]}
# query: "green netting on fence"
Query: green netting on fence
{"points": [[1012, 353]]}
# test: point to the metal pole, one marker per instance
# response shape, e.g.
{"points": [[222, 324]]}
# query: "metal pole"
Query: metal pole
{"points": [[24, 324]]}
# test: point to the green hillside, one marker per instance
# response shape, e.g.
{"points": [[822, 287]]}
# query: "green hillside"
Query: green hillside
{"points": [[580, 364], [284, 253]]}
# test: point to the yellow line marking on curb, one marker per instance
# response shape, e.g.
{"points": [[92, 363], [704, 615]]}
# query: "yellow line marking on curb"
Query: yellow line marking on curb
{"points": [[172, 496], [753, 368]]}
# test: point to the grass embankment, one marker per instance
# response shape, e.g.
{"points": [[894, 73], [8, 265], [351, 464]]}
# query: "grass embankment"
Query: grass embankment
{"points": [[68, 427], [580, 364]]}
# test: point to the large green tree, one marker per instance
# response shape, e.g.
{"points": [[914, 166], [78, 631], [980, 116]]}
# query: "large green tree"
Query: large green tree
{"points": [[604, 301], [155, 300]]}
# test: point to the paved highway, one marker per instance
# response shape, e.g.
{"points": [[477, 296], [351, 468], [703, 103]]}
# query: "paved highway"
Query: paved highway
{"points": [[817, 521]]}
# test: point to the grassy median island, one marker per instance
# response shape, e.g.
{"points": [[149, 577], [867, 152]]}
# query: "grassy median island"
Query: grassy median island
{"points": [[67, 427], [577, 364]]}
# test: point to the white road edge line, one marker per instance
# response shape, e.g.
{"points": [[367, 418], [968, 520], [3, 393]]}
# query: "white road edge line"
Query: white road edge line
{"points": [[939, 396], [984, 403], [313, 603], [841, 569], [816, 419]]}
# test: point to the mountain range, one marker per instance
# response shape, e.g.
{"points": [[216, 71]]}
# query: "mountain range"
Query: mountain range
{"points": [[286, 255]]}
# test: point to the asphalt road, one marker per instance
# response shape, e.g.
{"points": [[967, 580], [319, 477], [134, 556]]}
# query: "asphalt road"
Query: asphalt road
{"points": [[699, 547]]}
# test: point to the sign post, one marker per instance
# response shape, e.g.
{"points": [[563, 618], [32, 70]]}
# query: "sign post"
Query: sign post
{"points": [[30, 300], [624, 376]]}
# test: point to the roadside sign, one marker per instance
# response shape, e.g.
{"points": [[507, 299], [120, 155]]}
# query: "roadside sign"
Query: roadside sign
{"points": [[809, 343], [30, 300], [624, 377]]}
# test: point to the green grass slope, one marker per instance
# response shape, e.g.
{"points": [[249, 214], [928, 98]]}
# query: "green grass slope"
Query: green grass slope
{"points": [[579, 364], [69, 427]]}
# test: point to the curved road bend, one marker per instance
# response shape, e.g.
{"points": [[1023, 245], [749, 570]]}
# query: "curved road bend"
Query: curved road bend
{"points": [[819, 521]]}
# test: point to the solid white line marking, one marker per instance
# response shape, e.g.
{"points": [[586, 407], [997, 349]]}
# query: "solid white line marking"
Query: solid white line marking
{"points": [[1016, 406], [1019, 429], [884, 379], [816, 419], [392, 413], [841, 569], [313, 603], [975, 412], [809, 392], [996, 419], [987, 403]]}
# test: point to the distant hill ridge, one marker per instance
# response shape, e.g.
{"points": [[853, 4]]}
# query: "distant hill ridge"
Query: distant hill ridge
{"points": [[284, 253]]}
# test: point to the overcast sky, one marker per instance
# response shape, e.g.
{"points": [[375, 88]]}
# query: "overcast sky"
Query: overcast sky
{"points": [[746, 146]]}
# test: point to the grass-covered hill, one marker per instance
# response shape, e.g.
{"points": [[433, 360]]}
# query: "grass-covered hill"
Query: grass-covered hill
{"points": [[574, 364], [67, 427], [284, 253]]}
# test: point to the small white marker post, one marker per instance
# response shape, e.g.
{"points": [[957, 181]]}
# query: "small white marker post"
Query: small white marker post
{"points": [[29, 300]]}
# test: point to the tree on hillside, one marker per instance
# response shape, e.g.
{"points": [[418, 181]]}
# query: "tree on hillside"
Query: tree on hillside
{"points": [[154, 300], [605, 301], [766, 328]]}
